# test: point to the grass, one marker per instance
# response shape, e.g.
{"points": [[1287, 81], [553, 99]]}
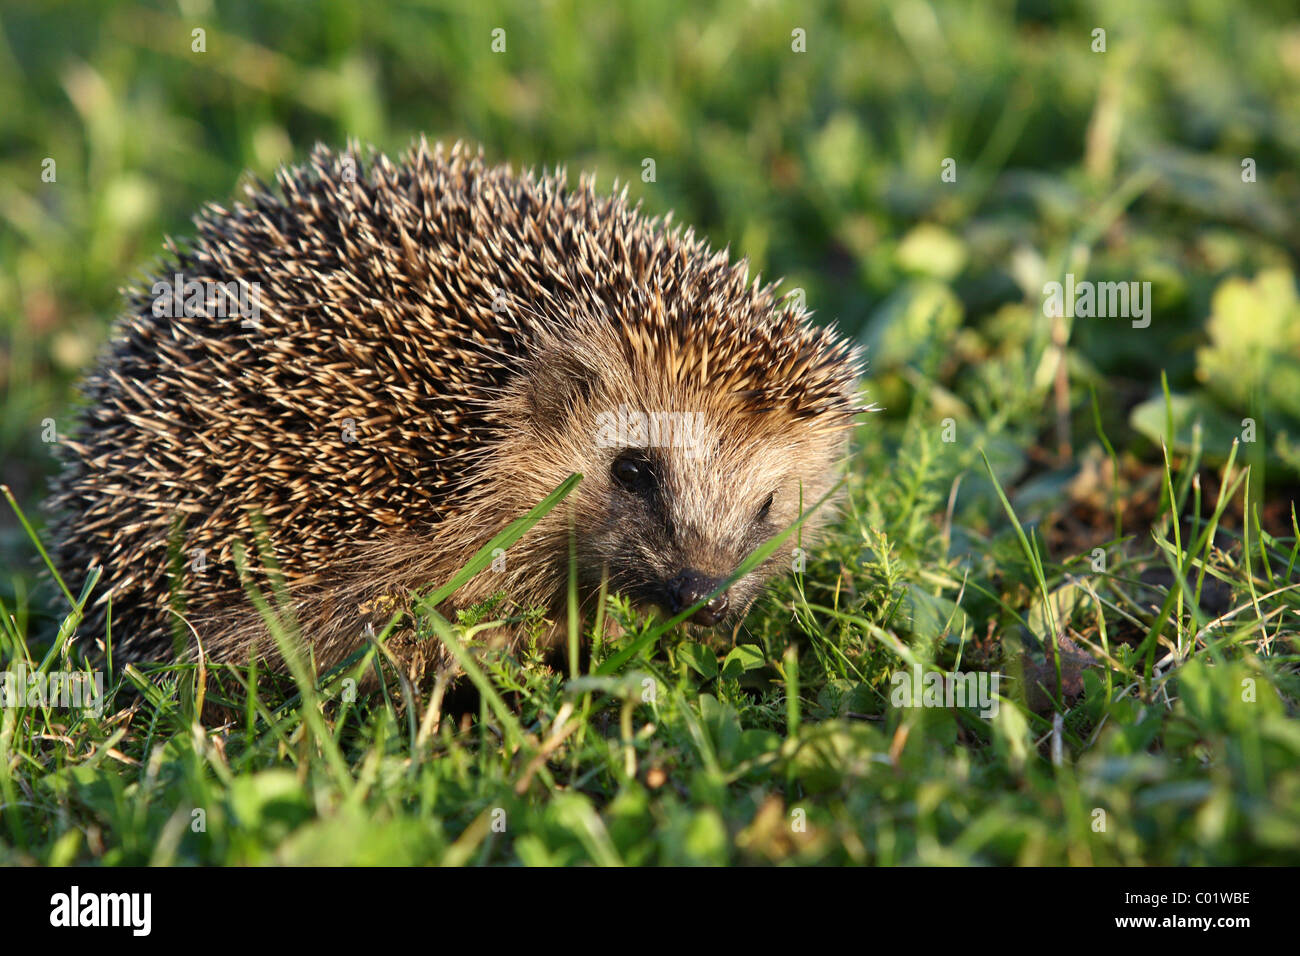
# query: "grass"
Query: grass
{"points": [[1076, 504], [1173, 746]]}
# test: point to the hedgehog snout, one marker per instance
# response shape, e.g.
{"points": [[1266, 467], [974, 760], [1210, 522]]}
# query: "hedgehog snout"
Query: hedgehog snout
{"points": [[690, 587]]}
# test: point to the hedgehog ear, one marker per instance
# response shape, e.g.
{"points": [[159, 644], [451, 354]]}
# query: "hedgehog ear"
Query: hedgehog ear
{"points": [[559, 384]]}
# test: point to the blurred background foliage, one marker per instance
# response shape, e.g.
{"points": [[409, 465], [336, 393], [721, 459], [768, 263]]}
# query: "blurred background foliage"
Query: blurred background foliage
{"points": [[822, 166]]}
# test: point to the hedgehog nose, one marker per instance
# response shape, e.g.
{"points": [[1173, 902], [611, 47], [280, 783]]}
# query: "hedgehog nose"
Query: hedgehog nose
{"points": [[690, 587]]}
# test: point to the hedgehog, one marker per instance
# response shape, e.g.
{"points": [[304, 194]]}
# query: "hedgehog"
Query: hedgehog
{"points": [[370, 369]]}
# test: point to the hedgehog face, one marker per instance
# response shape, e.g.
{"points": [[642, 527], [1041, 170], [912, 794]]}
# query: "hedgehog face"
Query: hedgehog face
{"points": [[683, 479], [672, 540], [674, 511]]}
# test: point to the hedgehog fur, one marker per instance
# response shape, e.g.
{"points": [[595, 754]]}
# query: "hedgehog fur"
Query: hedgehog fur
{"points": [[438, 344]]}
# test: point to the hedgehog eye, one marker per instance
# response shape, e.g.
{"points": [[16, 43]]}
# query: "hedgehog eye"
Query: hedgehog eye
{"points": [[767, 506], [633, 472]]}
